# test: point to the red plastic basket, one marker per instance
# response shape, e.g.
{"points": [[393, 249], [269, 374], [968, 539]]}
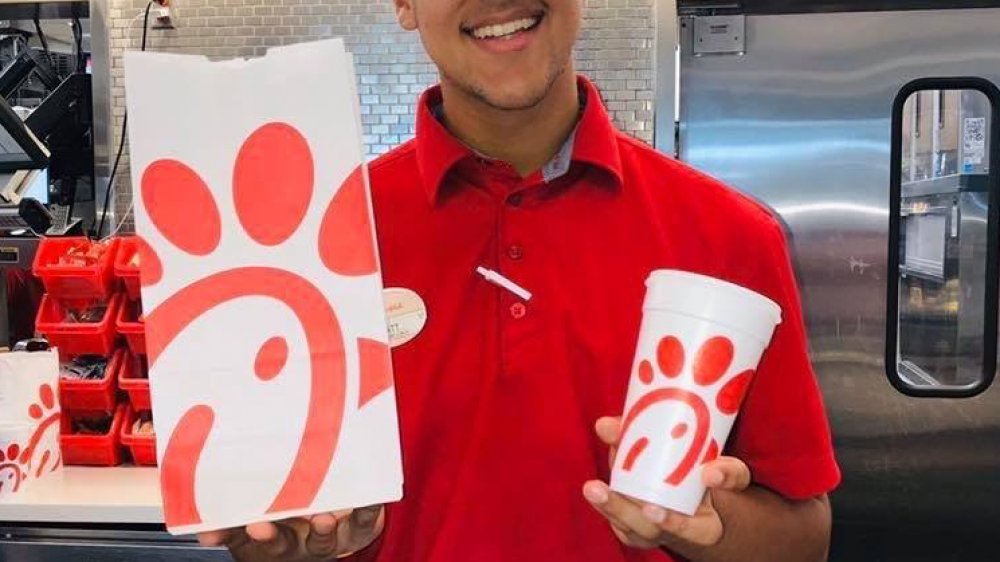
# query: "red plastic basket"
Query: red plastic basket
{"points": [[77, 338], [129, 325], [143, 447], [130, 380], [92, 450], [71, 282], [93, 396], [128, 273]]}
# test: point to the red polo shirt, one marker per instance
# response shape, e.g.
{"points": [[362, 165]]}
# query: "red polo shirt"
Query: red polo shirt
{"points": [[498, 397]]}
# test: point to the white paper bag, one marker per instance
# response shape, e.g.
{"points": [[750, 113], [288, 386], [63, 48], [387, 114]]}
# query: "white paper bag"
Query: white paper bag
{"points": [[29, 420], [269, 363]]}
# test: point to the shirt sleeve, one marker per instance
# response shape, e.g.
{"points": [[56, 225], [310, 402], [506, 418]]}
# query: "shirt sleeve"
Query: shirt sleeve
{"points": [[782, 432]]}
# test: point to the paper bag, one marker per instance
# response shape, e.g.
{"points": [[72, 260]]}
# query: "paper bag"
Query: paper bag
{"points": [[29, 420], [269, 365]]}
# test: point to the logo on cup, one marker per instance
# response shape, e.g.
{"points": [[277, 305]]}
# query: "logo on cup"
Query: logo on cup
{"points": [[686, 385]]}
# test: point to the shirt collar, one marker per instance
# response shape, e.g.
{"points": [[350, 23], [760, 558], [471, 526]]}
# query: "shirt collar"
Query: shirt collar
{"points": [[593, 142]]}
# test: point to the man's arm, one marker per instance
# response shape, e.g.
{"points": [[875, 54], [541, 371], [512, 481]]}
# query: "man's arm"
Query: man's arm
{"points": [[762, 526], [736, 521]]}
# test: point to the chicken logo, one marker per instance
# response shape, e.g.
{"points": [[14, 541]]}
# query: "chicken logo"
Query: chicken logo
{"points": [[668, 378], [273, 186]]}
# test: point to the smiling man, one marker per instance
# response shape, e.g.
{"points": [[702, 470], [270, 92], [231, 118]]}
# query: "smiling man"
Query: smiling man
{"points": [[517, 168]]}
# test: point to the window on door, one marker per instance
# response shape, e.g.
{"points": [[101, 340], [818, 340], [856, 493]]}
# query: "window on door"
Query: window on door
{"points": [[942, 298]]}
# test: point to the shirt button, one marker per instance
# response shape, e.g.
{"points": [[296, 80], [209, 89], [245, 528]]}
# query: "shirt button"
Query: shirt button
{"points": [[515, 252], [515, 200], [518, 310]]}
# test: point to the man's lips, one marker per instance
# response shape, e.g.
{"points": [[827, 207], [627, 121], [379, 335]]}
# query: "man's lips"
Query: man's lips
{"points": [[504, 25]]}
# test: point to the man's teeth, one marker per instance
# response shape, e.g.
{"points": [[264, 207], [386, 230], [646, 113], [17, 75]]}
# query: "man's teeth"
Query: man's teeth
{"points": [[503, 29]]}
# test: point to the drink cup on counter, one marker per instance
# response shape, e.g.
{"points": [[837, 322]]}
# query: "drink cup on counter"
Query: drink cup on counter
{"points": [[14, 438], [700, 341]]}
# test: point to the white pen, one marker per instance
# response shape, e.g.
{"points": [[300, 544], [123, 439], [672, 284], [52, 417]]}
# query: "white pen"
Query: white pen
{"points": [[501, 281]]}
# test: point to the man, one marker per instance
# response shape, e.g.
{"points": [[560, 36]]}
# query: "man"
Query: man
{"points": [[517, 168]]}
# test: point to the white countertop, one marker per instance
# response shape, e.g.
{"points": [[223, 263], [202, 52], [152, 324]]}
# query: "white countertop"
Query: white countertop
{"points": [[123, 494]]}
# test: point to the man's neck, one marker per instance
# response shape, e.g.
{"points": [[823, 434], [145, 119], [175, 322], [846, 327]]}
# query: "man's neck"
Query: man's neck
{"points": [[527, 139]]}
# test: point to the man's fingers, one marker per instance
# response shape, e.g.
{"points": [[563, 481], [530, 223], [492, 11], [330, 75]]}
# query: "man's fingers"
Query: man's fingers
{"points": [[631, 539], [702, 528], [323, 523], [366, 516], [609, 430], [229, 538], [274, 538], [361, 530], [322, 539], [216, 538], [623, 513], [726, 473], [262, 532]]}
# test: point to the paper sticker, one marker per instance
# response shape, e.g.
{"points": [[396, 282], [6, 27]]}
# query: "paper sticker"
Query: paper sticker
{"points": [[405, 314], [974, 140]]}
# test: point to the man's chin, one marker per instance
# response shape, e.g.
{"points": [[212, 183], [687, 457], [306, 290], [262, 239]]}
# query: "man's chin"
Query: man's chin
{"points": [[513, 101], [508, 96], [503, 94]]}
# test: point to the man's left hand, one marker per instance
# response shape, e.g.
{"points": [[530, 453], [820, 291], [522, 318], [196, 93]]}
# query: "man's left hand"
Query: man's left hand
{"points": [[643, 525]]}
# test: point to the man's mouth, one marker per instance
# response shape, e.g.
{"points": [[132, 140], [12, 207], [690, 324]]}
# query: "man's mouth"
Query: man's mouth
{"points": [[505, 30]]}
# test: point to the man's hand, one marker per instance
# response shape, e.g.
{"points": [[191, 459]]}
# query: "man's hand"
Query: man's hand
{"points": [[321, 537], [644, 525]]}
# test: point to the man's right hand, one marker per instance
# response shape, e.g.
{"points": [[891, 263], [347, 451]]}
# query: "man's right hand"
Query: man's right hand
{"points": [[318, 538]]}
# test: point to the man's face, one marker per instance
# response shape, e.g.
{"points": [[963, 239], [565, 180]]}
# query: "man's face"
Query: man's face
{"points": [[506, 53]]}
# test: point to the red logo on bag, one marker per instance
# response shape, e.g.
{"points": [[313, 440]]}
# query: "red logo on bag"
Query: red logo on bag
{"points": [[21, 461], [272, 187], [12, 473], [711, 364], [36, 457]]}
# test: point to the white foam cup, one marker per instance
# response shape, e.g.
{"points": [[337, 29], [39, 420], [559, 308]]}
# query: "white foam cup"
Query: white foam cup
{"points": [[699, 344]]}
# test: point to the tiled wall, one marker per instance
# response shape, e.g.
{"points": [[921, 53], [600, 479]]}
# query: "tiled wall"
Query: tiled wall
{"points": [[615, 49]]}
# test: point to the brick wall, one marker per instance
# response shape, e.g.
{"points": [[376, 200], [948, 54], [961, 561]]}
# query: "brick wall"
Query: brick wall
{"points": [[615, 49]]}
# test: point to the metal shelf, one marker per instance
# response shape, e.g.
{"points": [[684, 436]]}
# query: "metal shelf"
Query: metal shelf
{"points": [[958, 183]]}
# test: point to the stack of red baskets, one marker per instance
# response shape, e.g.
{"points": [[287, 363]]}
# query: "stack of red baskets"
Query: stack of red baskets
{"points": [[134, 374], [74, 287]]}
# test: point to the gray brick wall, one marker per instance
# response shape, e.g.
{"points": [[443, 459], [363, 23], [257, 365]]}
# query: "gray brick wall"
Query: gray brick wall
{"points": [[615, 49]]}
